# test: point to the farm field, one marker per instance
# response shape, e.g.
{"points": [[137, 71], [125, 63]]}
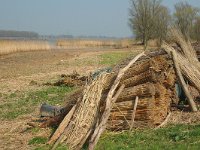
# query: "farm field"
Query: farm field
{"points": [[22, 92]]}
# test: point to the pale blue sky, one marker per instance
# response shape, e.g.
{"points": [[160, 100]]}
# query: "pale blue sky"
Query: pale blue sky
{"points": [[75, 17]]}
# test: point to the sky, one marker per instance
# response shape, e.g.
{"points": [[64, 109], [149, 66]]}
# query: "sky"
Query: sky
{"points": [[71, 17]]}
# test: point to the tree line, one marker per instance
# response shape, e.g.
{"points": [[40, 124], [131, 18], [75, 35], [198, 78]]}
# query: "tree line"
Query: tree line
{"points": [[149, 19], [18, 34]]}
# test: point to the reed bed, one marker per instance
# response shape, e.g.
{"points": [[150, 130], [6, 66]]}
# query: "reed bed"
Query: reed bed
{"points": [[85, 43], [12, 46]]}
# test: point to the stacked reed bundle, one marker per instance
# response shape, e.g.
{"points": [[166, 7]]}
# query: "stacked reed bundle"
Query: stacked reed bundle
{"points": [[153, 82]]}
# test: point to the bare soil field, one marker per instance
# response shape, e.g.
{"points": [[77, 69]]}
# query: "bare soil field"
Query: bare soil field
{"points": [[19, 70]]}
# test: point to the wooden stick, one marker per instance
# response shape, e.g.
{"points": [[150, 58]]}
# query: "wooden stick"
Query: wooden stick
{"points": [[62, 126], [134, 112], [109, 100], [123, 116], [118, 93], [164, 122], [183, 84]]}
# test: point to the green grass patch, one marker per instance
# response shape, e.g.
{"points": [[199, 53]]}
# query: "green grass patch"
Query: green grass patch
{"points": [[38, 140], [48, 147], [179, 137], [173, 137], [108, 58], [90, 61], [26, 103], [35, 130], [113, 58]]}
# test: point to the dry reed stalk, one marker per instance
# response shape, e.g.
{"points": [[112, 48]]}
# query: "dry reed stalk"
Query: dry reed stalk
{"points": [[119, 110], [84, 43], [183, 84], [129, 104], [119, 125], [136, 70], [143, 59], [190, 71], [154, 100], [84, 116], [186, 46], [109, 100], [144, 90], [11, 46], [138, 79]]}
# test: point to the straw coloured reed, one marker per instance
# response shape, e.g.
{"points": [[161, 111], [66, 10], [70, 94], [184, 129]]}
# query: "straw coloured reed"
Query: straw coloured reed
{"points": [[11, 46], [85, 115], [185, 45], [154, 96], [187, 68], [85, 43]]}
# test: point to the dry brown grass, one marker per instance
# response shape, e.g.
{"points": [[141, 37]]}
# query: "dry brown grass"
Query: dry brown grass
{"points": [[11, 46], [85, 43]]}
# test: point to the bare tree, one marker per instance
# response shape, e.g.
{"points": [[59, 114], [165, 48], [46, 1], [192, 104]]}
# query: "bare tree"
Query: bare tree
{"points": [[161, 23], [148, 19], [184, 16]]}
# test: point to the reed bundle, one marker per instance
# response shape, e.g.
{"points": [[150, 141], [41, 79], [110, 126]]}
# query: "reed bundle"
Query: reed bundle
{"points": [[153, 92], [185, 45], [189, 70], [85, 115]]}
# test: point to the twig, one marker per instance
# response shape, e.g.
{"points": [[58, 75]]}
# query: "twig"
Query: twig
{"points": [[134, 112], [118, 93], [123, 116], [164, 122]]}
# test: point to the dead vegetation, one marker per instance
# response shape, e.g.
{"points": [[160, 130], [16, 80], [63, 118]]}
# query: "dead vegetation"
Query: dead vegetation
{"points": [[72, 80], [11, 46], [84, 43]]}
